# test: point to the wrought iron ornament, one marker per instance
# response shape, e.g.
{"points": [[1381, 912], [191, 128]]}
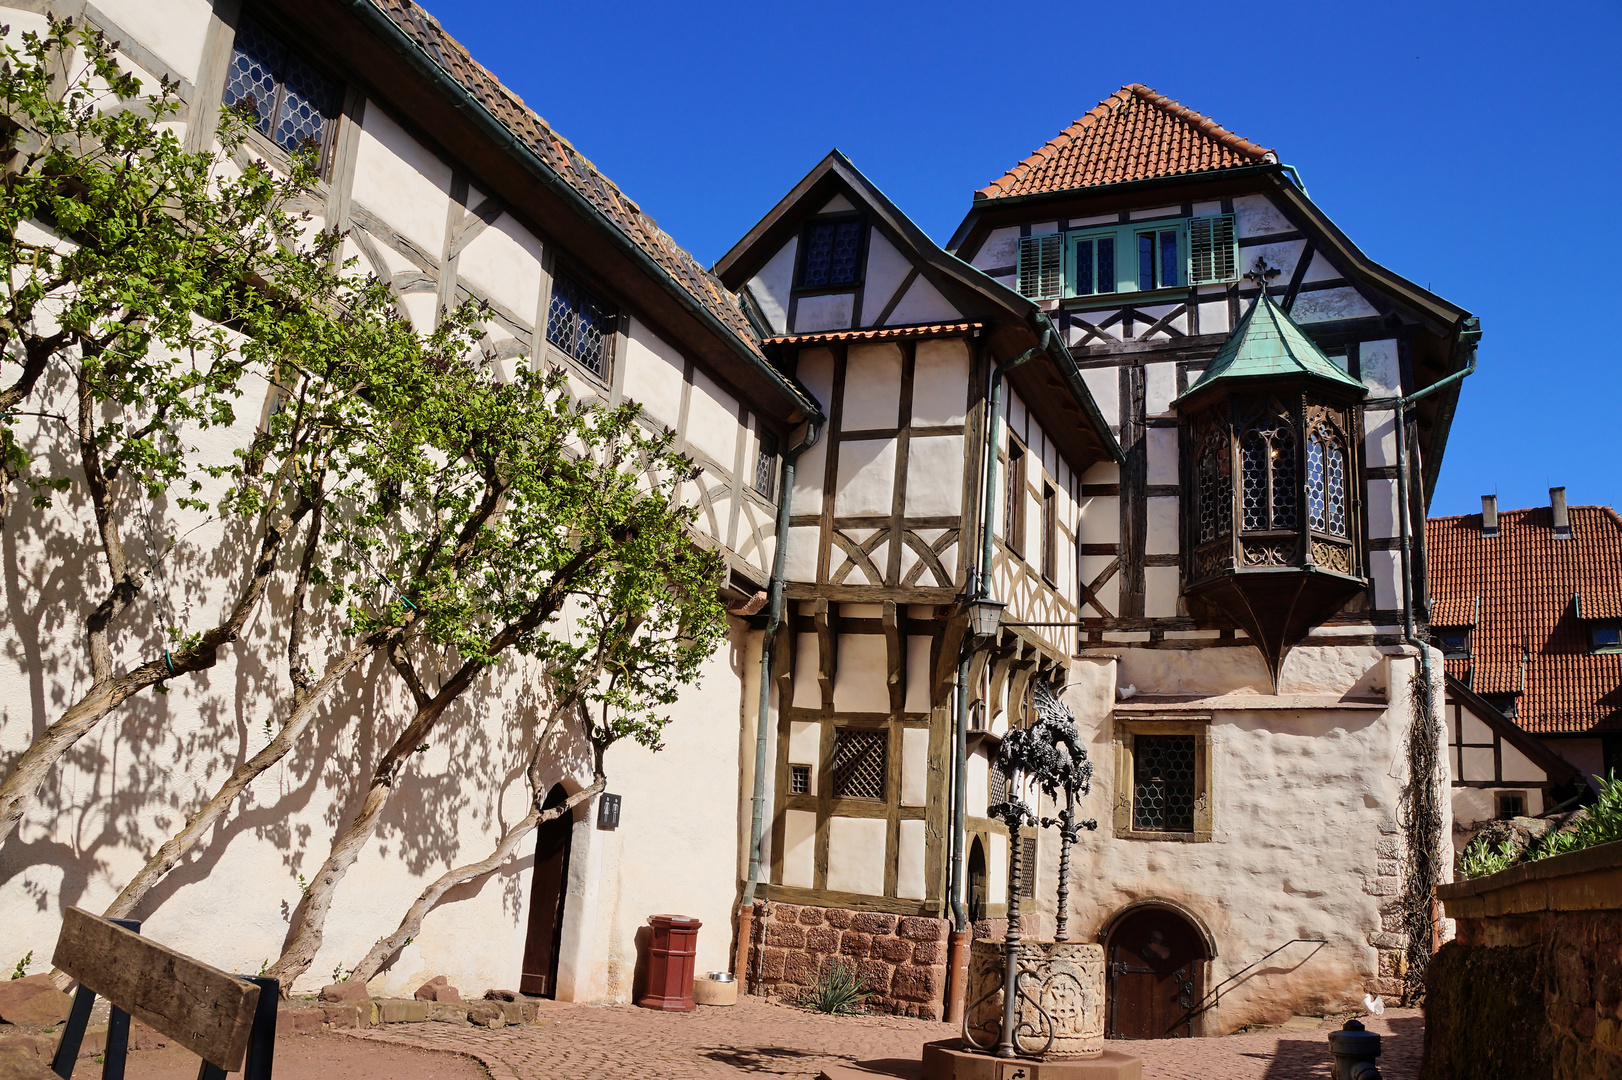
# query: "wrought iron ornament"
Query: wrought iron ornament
{"points": [[1047, 755]]}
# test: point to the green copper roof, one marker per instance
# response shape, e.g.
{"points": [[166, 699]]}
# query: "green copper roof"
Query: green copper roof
{"points": [[1266, 342]]}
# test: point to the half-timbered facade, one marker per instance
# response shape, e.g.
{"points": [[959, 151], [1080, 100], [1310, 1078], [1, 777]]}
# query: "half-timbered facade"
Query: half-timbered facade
{"points": [[897, 341], [1242, 668], [447, 187]]}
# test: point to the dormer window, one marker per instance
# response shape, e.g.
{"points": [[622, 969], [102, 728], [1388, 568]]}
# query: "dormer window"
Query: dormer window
{"points": [[830, 253], [1605, 637], [1454, 641]]}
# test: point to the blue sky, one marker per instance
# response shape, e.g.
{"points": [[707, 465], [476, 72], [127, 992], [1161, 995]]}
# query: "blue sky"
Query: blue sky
{"points": [[1475, 149]]}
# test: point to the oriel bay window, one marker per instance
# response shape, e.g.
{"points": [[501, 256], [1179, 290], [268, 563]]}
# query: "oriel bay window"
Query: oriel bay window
{"points": [[1270, 436]]}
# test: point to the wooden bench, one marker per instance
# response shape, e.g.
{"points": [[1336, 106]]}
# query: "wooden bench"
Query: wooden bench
{"points": [[221, 1018]]}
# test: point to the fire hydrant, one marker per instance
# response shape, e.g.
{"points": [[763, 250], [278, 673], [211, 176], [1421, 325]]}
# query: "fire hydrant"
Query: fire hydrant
{"points": [[1355, 1050]]}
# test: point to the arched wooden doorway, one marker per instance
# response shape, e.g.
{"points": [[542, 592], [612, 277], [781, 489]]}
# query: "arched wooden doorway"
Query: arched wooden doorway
{"points": [[1156, 973], [551, 883], [978, 897]]}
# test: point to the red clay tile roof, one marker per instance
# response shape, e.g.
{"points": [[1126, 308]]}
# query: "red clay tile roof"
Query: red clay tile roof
{"points": [[1134, 134], [1531, 588], [567, 162], [890, 333]]}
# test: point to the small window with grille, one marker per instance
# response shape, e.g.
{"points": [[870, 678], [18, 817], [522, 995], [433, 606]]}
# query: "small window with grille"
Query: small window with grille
{"points": [[859, 764], [580, 324], [1163, 783], [766, 464], [799, 779], [290, 102], [1511, 804], [1027, 866], [831, 253], [996, 786]]}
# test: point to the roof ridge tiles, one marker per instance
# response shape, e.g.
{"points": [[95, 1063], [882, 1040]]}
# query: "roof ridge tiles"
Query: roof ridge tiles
{"points": [[1146, 149]]}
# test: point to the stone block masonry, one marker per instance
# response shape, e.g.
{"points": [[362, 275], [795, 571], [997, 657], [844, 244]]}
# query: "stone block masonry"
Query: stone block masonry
{"points": [[900, 958], [1531, 988]]}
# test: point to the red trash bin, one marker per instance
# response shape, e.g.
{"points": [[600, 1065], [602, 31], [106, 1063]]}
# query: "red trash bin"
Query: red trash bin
{"points": [[671, 954]]}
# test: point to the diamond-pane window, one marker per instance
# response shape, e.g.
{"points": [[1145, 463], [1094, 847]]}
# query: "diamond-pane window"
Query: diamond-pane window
{"points": [[1216, 490], [290, 101], [1163, 783], [832, 253], [859, 764], [579, 324], [1267, 459]]}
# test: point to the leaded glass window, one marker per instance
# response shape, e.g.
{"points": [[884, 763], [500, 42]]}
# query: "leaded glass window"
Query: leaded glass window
{"points": [[1216, 489], [832, 251], [1326, 485], [1163, 783], [1268, 464], [291, 102], [579, 324], [859, 764], [766, 464]]}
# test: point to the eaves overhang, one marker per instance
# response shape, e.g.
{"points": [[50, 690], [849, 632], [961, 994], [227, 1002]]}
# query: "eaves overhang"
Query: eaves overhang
{"points": [[795, 402]]}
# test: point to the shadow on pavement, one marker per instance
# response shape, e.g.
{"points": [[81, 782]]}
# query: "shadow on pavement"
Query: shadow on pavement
{"points": [[1298, 1059], [758, 1059]]}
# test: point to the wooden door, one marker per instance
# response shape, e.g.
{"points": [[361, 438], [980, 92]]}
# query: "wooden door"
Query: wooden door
{"points": [[540, 970], [1156, 975]]}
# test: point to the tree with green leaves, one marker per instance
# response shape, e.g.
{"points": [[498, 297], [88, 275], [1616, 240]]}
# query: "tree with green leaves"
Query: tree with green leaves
{"points": [[145, 286]]}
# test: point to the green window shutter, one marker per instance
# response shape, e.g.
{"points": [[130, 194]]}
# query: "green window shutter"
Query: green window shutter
{"points": [[1213, 250], [1041, 266]]}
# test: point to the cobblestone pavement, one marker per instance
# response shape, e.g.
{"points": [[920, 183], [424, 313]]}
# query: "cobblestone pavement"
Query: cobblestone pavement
{"points": [[573, 1042]]}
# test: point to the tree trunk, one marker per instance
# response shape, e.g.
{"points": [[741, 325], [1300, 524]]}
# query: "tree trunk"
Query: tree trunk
{"points": [[107, 693], [179, 844], [411, 925]]}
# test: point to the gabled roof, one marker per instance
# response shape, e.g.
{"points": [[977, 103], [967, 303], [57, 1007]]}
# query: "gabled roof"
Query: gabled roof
{"points": [[1531, 595], [1265, 343], [1014, 323], [448, 63], [1134, 134], [1557, 768]]}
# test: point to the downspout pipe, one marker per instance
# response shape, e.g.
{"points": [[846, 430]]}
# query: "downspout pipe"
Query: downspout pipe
{"points": [[1468, 336], [774, 621], [979, 586]]}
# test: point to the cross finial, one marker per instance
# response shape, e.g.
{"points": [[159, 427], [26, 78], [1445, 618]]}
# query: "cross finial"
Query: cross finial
{"points": [[1262, 274]]}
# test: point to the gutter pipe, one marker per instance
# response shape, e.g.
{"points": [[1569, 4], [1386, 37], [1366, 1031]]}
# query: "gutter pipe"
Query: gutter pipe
{"points": [[483, 119], [773, 622], [1468, 335]]}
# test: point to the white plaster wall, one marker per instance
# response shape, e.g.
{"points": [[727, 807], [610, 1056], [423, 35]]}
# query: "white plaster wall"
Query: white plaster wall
{"points": [[504, 262], [172, 29], [856, 855], [401, 181], [1001, 249], [914, 766], [886, 267], [818, 313], [922, 303], [872, 387], [1105, 386], [934, 476], [940, 385], [860, 682], [1304, 805], [772, 285], [799, 848], [712, 421], [910, 881], [1162, 454], [866, 477], [1381, 372]]}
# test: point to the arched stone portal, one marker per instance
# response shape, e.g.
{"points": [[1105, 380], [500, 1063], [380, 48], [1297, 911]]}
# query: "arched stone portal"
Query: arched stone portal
{"points": [[1156, 955]]}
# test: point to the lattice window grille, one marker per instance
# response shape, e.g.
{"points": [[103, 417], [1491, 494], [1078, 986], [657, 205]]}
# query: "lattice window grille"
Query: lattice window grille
{"points": [[1027, 866], [1335, 480], [579, 324], [859, 764], [290, 100], [1213, 250], [799, 779], [1216, 490], [832, 253], [996, 787], [1163, 783], [1041, 266], [766, 464], [1267, 460]]}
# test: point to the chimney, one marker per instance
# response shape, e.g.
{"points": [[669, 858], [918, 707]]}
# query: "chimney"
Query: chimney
{"points": [[1557, 508], [1489, 515]]}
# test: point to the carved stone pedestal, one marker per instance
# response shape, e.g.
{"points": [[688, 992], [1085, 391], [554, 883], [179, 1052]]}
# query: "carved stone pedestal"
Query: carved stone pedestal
{"points": [[1065, 978]]}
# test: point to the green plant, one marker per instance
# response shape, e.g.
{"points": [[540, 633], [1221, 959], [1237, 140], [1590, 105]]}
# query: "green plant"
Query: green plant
{"points": [[1480, 858], [1601, 823], [838, 990], [338, 975], [100, 1059], [22, 965]]}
